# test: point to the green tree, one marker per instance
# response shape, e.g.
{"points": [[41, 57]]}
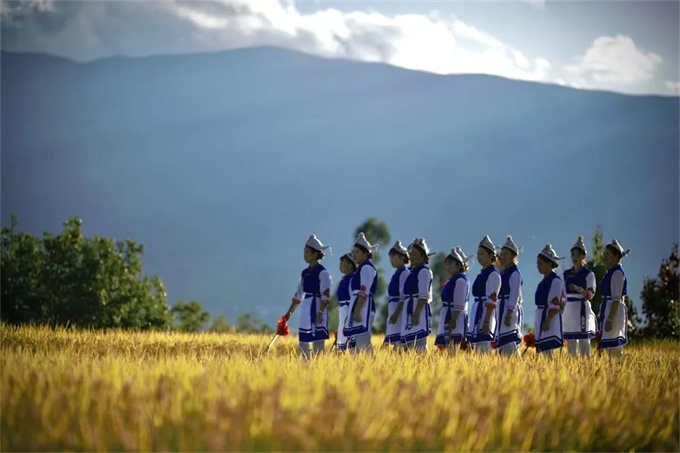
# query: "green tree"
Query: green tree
{"points": [[248, 323], [377, 232], [189, 316], [660, 300], [21, 273], [70, 279], [220, 325], [439, 278], [596, 264], [439, 275]]}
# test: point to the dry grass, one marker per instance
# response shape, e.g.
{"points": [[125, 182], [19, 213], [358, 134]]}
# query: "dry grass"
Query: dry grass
{"points": [[117, 391]]}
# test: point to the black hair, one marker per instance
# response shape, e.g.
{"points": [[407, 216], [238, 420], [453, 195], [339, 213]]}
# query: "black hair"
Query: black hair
{"points": [[614, 250], [394, 251], [452, 259], [348, 260], [547, 260], [364, 249], [319, 254], [492, 252], [426, 259]]}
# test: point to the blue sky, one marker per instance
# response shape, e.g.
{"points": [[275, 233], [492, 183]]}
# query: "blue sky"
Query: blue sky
{"points": [[628, 47]]}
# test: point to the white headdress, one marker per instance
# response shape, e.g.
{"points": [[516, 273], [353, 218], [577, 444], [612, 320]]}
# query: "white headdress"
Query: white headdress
{"points": [[510, 245], [422, 245], [458, 254], [551, 254], [399, 248], [487, 244], [619, 248], [314, 243], [580, 245], [348, 255], [363, 242]]}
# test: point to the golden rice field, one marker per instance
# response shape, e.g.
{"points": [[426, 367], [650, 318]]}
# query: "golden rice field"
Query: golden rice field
{"points": [[117, 391]]}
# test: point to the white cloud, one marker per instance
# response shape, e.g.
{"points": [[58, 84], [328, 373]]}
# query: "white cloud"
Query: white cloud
{"points": [[673, 87], [201, 19], [616, 60], [468, 31], [428, 42]]}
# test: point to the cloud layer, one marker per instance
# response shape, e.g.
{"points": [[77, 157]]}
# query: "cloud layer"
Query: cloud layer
{"points": [[616, 60], [427, 42]]}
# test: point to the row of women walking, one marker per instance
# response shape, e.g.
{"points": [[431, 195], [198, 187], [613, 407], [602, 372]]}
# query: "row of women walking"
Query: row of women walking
{"points": [[491, 309]]}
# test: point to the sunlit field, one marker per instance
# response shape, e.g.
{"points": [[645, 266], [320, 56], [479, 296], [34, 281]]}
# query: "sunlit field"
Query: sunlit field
{"points": [[118, 391]]}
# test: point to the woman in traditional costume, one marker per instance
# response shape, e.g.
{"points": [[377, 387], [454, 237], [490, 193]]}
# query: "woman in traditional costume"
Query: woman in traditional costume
{"points": [[417, 318], [399, 260], [313, 295], [578, 318], [455, 295], [510, 310], [614, 291], [362, 289], [549, 294], [482, 327]]}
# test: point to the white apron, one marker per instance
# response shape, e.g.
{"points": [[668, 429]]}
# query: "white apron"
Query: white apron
{"points": [[393, 331], [552, 338], [410, 331], [367, 315], [342, 318], [578, 318], [309, 330], [444, 334], [618, 335], [476, 320], [513, 332]]}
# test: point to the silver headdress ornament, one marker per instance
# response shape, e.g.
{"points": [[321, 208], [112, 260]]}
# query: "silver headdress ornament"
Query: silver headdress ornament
{"points": [[551, 254], [363, 242], [314, 243], [422, 245]]}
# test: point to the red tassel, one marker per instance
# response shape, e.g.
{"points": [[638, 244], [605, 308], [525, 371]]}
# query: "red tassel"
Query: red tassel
{"points": [[282, 327]]}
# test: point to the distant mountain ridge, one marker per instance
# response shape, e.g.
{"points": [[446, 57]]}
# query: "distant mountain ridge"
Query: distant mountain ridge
{"points": [[222, 164]]}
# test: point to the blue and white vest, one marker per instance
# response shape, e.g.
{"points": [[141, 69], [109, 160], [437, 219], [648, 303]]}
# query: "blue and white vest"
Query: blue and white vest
{"points": [[504, 293], [450, 286], [355, 284], [393, 288], [311, 284], [342, 293], [479, 286], [606, 289], [543, 290], [411, 283], [578, 279]]}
